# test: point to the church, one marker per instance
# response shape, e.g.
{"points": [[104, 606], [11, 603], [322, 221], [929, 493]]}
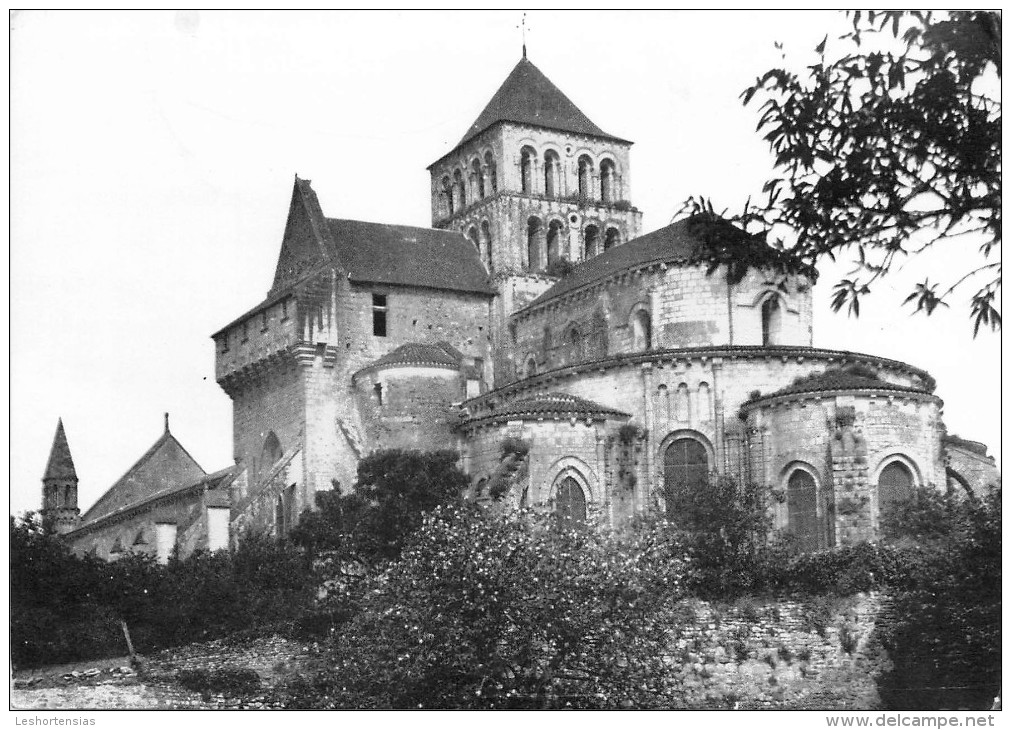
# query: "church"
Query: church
{"points": [[576, 364]]}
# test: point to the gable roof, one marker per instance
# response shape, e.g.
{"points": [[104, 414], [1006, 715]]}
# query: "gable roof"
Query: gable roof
{"points": [[527, 96], [375, 253], [379, 253], [163, 467], [61, 463]]}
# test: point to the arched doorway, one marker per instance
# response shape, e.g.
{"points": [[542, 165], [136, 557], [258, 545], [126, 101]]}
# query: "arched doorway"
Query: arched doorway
{"points": [[685, 469], [570, 502]]}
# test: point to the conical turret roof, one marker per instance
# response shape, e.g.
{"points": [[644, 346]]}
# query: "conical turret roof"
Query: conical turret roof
{"points": [[61, 463], [527, 96]]}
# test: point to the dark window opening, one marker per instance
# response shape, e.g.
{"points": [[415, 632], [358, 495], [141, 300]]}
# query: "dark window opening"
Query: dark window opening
{"points": [[771, 318], [686, 469], [379, 315], [802, 509], [378, 388]]}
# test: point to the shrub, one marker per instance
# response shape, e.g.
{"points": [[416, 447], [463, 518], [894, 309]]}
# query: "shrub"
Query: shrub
{"points": [[560, 268], [513, 445], [488, 611]]}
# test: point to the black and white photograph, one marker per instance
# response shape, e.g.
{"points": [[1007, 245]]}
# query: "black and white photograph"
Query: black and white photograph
{"points": [[506, 360]]}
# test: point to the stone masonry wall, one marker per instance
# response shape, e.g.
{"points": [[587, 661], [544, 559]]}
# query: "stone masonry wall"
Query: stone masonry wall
{"points": [[806, 653], [558, 448], [416, 410], [686, 308]]}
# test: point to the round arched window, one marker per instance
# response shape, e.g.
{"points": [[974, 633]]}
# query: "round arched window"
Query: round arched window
{"points": [[570, 502], [895, 484], [685, 469], [802, 509]]}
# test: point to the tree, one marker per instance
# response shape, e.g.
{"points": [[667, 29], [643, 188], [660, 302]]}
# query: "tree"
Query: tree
{"points": [[887, 147], [394, 490], [489, 611]]}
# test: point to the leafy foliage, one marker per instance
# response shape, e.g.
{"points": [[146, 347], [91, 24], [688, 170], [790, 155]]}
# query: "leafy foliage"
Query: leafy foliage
{"points": [[943, 631], [888, 146], [393, 492], [484, 611], [66, 608]]}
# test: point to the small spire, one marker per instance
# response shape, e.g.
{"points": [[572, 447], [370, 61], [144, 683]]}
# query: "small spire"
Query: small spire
{"points": [[166, 423], [61, 463], [523, 25]]}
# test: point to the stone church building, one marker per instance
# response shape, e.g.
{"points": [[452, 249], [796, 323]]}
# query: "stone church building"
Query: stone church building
{"points": [[576, 364]]}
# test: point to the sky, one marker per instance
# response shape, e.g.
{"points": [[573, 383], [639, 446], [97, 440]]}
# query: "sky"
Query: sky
{"points": [[153, 156]]}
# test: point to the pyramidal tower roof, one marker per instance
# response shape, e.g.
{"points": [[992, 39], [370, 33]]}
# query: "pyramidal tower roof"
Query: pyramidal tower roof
{"points": [[527, 96], [61, 463]]}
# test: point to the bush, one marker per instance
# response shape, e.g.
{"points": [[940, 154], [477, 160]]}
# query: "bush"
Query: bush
{"points": [[486, 611], [513, 445]]}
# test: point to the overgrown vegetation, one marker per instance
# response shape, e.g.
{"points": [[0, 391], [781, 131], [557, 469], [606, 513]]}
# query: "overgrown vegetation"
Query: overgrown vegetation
{"points": [[461, 607]]}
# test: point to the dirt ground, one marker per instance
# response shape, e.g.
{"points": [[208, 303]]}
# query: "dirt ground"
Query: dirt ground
{"points": [[113, 683]]}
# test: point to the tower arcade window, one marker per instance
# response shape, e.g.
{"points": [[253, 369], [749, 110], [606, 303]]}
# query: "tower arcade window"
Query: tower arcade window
{"points": [[612, 238], [534, 232], [379, 315], [607, 181], [554, 241], [527, 157], [552, 168], [585, 178], [478, 184], [590, 241], [459, 191], [685, 469], [472, 235], [491, 171]]}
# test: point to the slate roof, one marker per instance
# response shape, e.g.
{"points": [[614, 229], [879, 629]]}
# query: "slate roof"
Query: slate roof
{"points": [[418, 353], [380, 253], [527, 96], [839, 380], [164, 466], [550, 405], [61, 463]]}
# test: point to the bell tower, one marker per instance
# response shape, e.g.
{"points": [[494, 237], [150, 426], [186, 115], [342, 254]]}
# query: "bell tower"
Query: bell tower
{"points": [[59, 486], [536, 187]]}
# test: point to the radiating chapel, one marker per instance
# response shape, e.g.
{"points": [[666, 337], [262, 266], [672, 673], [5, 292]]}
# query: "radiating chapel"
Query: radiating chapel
{"points": [[577, 365]]}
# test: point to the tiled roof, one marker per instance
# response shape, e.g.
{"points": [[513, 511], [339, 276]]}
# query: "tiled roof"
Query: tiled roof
{"points": [[164, 466], [682, 240], [378, 253], [61, 463], [839, 380], [976, 447], [418, 353], [216, 484], [557, 405], [527, 96], [675, 242]]}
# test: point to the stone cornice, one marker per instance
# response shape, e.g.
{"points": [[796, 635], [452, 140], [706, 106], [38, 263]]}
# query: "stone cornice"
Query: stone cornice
{"points": [[715, 355], [782, 401]]}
